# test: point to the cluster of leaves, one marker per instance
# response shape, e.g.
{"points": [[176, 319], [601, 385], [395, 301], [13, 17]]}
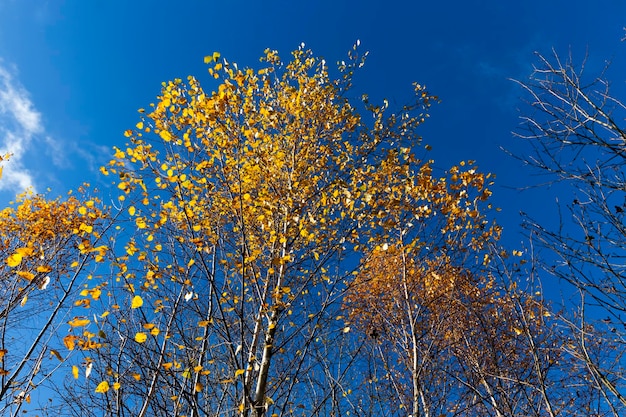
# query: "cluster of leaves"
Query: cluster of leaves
{"points": [[250, 204], [280, 250], [46, 245], [445, 332]]}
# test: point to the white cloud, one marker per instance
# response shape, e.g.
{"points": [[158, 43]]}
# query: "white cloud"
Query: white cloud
{"points": [[20, 124]]}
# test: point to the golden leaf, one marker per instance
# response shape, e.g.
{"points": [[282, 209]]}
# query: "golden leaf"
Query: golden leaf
{"points": [[70, 341], [14, 260], [78, 322], [136, 302], [26, 275], [44, 268], [102, 387], [140, 337], [165, 135], [25, 251], [85, 228]]}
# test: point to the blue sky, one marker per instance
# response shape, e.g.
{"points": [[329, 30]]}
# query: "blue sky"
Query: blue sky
{"points": [[73, 73]]}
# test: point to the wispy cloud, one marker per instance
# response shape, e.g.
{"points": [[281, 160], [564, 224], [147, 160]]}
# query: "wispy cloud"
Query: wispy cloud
{"points": [[20, 125]]}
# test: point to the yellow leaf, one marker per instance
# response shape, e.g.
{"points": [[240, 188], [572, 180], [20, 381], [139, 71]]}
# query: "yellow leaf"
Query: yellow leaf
{"points": [[198, 387], [165, 135], [208, 59], [155, 331], [24, 300], [26, 275], [85, 228], [131, 210], [139, 125], [136, 376], [140, 337], [75, 371], [517, 331], [70, 341], [137, 302], [78, 321], [102, 387], [239, 372], [25, 251], [141, 223], [14, 260], [116, 386]]}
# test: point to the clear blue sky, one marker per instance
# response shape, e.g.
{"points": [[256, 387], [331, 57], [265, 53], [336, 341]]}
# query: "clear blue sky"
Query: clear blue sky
{"points": [[73, 73]]}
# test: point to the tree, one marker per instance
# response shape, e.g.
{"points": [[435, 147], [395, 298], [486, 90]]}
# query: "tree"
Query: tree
{"points": [[246, 210], [47, 248], [448, 333], [574, 126], [281, 250]]}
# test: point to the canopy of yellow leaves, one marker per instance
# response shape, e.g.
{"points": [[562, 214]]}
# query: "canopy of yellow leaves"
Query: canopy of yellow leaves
{"points": [[253, 190]]}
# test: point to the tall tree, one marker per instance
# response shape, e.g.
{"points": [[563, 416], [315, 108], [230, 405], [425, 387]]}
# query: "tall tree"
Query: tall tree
{"points": [[447, 334], [246, 208], [47, 248], [575, 126]]}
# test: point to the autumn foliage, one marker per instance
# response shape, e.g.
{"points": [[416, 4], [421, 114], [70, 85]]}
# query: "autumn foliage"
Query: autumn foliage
{"points": [[276, 248], [46, 246], [249, 204]]}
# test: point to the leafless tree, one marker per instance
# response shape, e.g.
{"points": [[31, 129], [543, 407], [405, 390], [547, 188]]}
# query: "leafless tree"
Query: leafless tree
{"points": [[577, 132]]}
